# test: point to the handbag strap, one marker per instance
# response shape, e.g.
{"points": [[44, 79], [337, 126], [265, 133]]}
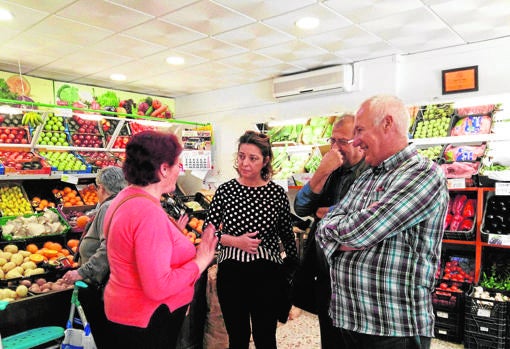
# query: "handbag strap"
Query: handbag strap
{"points": [[107, 226]]}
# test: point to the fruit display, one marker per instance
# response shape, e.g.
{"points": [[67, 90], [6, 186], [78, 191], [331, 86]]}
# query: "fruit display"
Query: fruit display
{"points": [[53, 138], [41, 285], [54, 123], [23, 162], [68, 196], [286, 164], [77, 124], [434, 121], [99, 159], [17, 263], [37, 224], [89, 194], [496, 217], [286, 133], [120, 142], [13, 201], [432, 153], [11, 120], [10, 294], [32, 119], [137, 127], [108, 127], [315, 129], [64, 161], [14, 135]]}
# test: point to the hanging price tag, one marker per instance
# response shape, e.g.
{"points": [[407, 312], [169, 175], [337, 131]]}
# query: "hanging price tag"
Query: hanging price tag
{"points": [[65, 112], [502, 188]]}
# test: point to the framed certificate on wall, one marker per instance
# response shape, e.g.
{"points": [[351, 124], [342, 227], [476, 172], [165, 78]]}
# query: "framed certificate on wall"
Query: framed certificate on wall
{"points": [[460, 80]]}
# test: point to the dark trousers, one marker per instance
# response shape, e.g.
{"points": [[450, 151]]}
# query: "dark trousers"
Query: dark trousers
{"points": [[91, 299], [364, 341], [248, 292], [161, 333]]}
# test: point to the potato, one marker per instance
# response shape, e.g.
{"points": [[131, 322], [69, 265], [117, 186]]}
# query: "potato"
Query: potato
{"points": [[28, 265], [11, 248], [21, 291], [7, 255], [40, 281], [17, 258], [8, 266], [2, 261], [24, 253], [19, 269], [1, 274], [25, 282], [13, 274], [34, 288]]}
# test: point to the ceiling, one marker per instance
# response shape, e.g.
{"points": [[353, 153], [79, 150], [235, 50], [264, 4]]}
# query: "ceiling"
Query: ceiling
{"points": [[227, 42]]}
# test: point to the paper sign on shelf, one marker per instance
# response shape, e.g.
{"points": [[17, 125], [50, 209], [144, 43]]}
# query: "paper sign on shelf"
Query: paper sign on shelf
{"points": [[502, 188], [456, 183], [69, 179], [66, 112]]}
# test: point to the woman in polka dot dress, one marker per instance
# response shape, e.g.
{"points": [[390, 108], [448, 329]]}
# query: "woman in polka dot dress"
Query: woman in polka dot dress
{"points": [[254, 215]]}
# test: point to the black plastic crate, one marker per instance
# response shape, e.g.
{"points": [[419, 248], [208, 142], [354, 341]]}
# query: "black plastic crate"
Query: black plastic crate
{"points": [[486, 308], [449, 332], [474, 340], [458, 208], [486, 326], [443, 300]]}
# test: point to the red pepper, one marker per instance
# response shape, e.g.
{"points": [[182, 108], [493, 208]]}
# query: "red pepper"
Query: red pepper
{"points": [[466, 224], [458, 204], [448, 220], [455, 223], [469, 208]]}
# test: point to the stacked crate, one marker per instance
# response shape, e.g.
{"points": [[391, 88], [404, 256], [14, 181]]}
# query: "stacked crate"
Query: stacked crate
{"points": [[486, 322], [448, 303]]}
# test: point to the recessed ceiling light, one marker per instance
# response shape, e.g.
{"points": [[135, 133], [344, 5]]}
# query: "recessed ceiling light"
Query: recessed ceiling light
{"points": [[307, 23], [5, 15], [118, 77], [175, 60]]}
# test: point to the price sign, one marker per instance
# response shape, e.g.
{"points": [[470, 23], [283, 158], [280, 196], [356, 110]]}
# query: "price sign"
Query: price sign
{"points": [[196, 160], [502, 188], [65, 112], [69, 178], [456, 183]]}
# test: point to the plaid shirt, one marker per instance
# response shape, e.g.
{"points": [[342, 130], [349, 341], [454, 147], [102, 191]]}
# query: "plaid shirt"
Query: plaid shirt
{"points": [[394, 215]]}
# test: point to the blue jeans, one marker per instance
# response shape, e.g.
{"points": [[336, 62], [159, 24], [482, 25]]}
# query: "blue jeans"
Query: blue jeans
{"points": [[365, 341]]}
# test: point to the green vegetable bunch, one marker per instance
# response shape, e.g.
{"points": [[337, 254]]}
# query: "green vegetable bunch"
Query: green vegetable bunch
{"points": [[498, 280], [68, 94], [108, 99], [5, 93]]}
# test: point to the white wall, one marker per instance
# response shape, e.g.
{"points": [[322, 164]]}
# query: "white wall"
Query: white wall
{"points": [[415, 78]]}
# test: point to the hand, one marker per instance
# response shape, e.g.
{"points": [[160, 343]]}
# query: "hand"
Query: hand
{"points": [[182, 221], [207, 248], [248, 242], [332, 160], [321, 212], [72, 276]]}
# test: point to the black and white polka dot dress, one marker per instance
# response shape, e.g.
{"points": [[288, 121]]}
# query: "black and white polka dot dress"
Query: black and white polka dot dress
{"points": [[241, 209]]}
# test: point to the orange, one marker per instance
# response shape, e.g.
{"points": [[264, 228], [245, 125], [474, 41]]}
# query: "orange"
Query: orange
{"points": [[36, 258], [67, 190], [32, 248], [82, 221], [72, 243], [47, 244], [50, 253], [56, 246]]}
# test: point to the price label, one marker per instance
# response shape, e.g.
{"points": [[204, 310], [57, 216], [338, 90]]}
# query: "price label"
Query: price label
{"points": [[456, 183], [502, 188], [69, 179], [65, 112]]}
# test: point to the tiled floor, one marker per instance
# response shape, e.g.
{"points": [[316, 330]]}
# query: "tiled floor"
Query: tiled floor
{"points": [[302, 332]]}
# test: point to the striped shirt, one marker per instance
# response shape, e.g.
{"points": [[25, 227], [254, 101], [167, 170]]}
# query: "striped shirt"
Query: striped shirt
{"points": [[240, 209], [394, 215]]}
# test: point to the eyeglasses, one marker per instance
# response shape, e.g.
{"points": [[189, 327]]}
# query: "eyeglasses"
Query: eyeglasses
{"points": [[332, 141]]}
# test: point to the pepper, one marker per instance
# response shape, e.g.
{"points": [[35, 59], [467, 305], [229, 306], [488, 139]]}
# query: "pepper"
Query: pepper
{"points": [[448, 220], [469, 208], [466, 225], [455, 223], [458, 204]]}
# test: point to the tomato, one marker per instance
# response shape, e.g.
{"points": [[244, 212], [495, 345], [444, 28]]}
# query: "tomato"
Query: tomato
{"points": [[443, 285]]}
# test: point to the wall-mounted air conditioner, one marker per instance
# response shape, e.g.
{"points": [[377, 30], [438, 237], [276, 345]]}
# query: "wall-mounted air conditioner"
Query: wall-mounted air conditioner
{"points": [[332, 79]]}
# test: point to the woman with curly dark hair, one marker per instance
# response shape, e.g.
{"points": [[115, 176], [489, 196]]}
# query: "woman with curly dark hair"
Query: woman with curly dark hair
{"points": [[153, 266], [254, 215]]}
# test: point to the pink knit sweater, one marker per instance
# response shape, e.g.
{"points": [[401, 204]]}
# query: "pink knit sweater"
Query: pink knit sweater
{"points": [[151, 261]]}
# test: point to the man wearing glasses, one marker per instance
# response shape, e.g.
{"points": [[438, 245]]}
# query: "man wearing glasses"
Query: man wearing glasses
{"points": [[339, 167]]}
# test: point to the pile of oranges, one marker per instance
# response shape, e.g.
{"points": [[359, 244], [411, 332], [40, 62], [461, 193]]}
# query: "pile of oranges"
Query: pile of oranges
{"points": [[69, 196], [50, 252], [89, 194], [40, 204]]}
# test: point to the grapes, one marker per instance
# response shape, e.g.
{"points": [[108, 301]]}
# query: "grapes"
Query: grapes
{"points": [[435, 121]]}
